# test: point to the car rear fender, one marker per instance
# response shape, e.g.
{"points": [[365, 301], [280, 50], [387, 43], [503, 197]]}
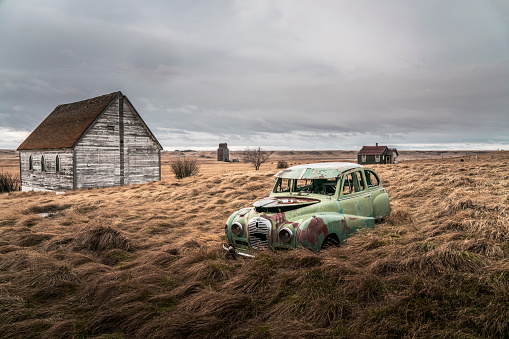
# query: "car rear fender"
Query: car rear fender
{"points": [[381, 205]]}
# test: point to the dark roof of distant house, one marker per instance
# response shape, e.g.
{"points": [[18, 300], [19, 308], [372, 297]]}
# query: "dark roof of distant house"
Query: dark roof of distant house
{"points": [[372, 150], [67, 123]]}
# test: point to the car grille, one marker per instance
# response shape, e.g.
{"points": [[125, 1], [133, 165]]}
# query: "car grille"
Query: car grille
{"points": [[259, 229]]}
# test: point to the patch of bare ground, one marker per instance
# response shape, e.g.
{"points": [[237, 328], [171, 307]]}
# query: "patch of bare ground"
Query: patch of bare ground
{"points": [[144, 261]]}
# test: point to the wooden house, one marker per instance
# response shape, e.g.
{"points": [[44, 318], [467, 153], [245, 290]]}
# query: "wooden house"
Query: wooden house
{"points": [[377, 155], [97, 142]]}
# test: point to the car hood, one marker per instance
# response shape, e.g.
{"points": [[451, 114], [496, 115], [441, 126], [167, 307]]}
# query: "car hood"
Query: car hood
{"points": [[282, 204]]}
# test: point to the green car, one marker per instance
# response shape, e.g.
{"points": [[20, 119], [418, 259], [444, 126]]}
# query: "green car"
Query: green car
{"points": [[311, 206]]}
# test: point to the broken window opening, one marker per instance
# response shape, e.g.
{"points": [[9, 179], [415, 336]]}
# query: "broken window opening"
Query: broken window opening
{"points": [[309, 186]]}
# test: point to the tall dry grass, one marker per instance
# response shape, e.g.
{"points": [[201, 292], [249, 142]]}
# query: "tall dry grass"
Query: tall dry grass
{"points": [[144, 261]]}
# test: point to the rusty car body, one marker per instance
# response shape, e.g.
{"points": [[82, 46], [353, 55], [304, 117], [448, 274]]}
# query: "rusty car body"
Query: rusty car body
{"points": [[311, 206]]}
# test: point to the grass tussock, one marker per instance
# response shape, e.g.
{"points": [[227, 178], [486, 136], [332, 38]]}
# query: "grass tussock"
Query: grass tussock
{"points": [[144, 261], [100, 238]]}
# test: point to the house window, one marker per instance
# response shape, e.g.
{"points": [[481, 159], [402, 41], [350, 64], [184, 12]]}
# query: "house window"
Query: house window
{"points": [[30, 164], [377, 158], [43, 165], [363, 157], [57, 164]]}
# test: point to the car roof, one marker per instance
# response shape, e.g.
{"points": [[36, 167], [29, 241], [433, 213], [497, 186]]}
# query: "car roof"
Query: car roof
{"points": [[322, 170]]}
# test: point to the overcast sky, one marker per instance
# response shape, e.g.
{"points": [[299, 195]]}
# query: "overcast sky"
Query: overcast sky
{"points": [[290, 74]]}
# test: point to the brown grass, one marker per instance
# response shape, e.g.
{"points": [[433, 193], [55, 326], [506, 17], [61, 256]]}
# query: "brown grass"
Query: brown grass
{"points": [[144, 261]]}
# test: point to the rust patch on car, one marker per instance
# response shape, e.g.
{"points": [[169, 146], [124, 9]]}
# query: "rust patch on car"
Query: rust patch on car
{"points": [[310, 235]]}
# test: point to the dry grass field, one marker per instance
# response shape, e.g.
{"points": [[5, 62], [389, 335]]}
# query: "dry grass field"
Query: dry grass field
{"points": [[145, 261]]}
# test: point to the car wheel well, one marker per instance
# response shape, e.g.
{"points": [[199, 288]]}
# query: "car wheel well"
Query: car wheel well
{"points": [[330, 240]]}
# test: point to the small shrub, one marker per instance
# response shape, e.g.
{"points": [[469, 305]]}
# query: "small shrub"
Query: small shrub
{"points": [[184, 167], [9, 182], [282, 164]]}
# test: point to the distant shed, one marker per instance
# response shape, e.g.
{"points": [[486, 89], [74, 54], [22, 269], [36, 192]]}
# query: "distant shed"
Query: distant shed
{"points": [[377, 155], [98, 142]]}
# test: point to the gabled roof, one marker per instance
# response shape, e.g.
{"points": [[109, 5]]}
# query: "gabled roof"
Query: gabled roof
{"points": [[67, 123], [391, 151], [372, 150], [323, 170]]}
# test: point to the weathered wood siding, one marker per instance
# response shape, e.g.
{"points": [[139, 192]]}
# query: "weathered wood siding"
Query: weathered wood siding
{"points": [[371, 160], [97, 153], [141, 153], [117, 149], [50, 178]]}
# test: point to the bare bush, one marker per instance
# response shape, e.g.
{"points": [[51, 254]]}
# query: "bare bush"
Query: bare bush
{"points": [[256, 156], [184, 167], [9, 182], [282, 164]]}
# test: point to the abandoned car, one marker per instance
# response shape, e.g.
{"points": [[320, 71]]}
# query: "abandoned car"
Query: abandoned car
{"points": [[311, 206]]}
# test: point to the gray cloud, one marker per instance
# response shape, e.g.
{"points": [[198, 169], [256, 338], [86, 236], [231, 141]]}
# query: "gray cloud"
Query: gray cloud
{"points": [[280, 74]]}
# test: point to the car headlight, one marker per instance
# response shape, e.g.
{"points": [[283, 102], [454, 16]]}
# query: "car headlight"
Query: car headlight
{"points": [[286, 235], [237, 228]]}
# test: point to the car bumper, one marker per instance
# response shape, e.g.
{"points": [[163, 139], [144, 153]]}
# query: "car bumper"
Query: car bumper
{"points": [[232, 250]]}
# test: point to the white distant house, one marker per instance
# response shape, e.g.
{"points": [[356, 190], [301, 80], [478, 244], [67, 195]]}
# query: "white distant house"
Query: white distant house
{"points": [[98, 142]]}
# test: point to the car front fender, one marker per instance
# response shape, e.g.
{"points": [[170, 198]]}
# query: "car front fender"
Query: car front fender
{"points": [[312, 232]]}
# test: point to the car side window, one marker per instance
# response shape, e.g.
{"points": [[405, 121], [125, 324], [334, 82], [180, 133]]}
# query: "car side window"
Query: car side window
{"points": [[353, 183], [371, 179], [348, 184], [360, 181]]}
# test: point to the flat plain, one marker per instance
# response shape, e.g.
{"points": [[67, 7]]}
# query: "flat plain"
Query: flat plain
{"points": [[145, 261]]}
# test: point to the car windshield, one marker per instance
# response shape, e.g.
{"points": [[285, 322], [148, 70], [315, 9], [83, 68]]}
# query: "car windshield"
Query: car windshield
{"points": [[314, 186]]}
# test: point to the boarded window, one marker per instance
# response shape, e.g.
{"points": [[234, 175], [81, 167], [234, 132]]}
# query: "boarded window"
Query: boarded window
{"points": [[57, 164], [43, 164], [30, 163]]}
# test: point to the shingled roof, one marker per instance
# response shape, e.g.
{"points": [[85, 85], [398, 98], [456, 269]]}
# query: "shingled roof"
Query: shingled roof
{"points": [[372, 150], [67, 123]]}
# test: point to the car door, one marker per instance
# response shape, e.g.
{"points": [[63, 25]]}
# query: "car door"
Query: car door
{"points": [[355, 200], [379, 197]]}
